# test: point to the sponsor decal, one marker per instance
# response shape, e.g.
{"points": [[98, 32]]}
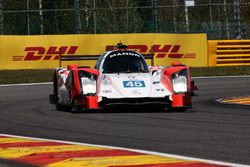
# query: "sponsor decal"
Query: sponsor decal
{"points": [[106, 91], [133, 84], [36, 53], [136, 92], [160, 90], [123, 54]]}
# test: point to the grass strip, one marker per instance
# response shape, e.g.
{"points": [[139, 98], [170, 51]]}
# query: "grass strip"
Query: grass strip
{"points": [[25, 76], [220, 71], [33, 76]]}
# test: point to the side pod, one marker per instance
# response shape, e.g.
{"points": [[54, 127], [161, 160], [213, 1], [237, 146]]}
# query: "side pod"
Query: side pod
{"points": [[84, 88], [182, 87]]}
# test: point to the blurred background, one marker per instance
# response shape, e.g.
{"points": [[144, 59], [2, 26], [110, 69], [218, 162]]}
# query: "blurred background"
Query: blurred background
{"points": [[220, 19]]}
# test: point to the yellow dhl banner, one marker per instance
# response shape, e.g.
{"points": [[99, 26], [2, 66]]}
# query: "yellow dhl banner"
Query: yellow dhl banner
{"points": [[42, 51]]}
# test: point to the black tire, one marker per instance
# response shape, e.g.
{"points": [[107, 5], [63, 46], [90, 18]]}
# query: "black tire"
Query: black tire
{"points": [[59, 107], [76, 108], [179, 109], [176, 109]]}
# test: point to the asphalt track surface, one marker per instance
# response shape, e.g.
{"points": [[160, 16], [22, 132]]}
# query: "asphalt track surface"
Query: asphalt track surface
{"points": [[209, 130]]}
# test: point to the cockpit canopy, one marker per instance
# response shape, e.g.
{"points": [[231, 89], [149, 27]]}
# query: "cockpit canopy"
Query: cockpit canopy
{"points": [[124, 62]]}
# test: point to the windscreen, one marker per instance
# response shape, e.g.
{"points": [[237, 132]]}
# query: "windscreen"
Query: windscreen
{"points": [[124, 62]]}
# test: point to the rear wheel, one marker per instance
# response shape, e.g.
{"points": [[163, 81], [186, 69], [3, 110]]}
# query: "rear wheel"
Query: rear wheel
{"points": [[59, 107], [76, 107]]}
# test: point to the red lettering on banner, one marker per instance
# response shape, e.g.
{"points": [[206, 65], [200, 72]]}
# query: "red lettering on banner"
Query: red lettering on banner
{"points": [[72, 49], [39, 53], [175, 49], [157, 48], [34, 53], [161, 55], [53, 52], [175, 55], [162, 52], [63, 50], [138, 48]]}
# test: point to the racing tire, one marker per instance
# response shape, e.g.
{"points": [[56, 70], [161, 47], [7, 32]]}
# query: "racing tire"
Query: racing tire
{"points": [[76, 109], [179, 109], [59, 107], [176, 109]]}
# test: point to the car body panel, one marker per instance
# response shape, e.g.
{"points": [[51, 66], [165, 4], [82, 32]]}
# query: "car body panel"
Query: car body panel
{"points": [[123, 76]]}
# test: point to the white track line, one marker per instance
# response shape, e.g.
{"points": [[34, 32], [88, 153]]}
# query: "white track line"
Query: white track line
{"points": [[139, 151]]}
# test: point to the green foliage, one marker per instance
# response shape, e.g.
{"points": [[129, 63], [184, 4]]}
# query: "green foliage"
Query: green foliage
{"points": [[25, 76], [220, 71]]}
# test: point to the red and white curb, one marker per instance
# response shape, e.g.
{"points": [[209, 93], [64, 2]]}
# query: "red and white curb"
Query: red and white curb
{"points": [[55, 153]]}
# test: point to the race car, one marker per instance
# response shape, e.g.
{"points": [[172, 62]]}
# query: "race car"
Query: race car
{"points": [[121, 76]]}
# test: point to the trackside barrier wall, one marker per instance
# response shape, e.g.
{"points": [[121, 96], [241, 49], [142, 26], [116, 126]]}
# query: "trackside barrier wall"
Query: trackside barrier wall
{"points": [[42, 51], [229, 52]]}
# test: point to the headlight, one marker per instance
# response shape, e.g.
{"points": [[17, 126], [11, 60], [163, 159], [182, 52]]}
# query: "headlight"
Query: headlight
{"points": [[88, 85], [179, 81]]}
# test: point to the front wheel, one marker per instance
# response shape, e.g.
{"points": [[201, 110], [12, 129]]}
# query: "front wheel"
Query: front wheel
{"points": [[76, 108], [177, 109], [60, 107]]}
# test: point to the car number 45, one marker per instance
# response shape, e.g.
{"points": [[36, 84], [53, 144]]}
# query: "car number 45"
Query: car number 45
{"points": [[133, 84]]}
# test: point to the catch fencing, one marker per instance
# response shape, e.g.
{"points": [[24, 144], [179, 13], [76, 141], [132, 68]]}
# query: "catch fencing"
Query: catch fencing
{"points": [[219, 19]]}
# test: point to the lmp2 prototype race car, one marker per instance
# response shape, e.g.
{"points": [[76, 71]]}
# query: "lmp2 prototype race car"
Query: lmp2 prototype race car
{"points": [[121, 76]]}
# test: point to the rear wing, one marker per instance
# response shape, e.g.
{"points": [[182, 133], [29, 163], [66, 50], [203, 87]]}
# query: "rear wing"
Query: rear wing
{"points": [[94, 57]]}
